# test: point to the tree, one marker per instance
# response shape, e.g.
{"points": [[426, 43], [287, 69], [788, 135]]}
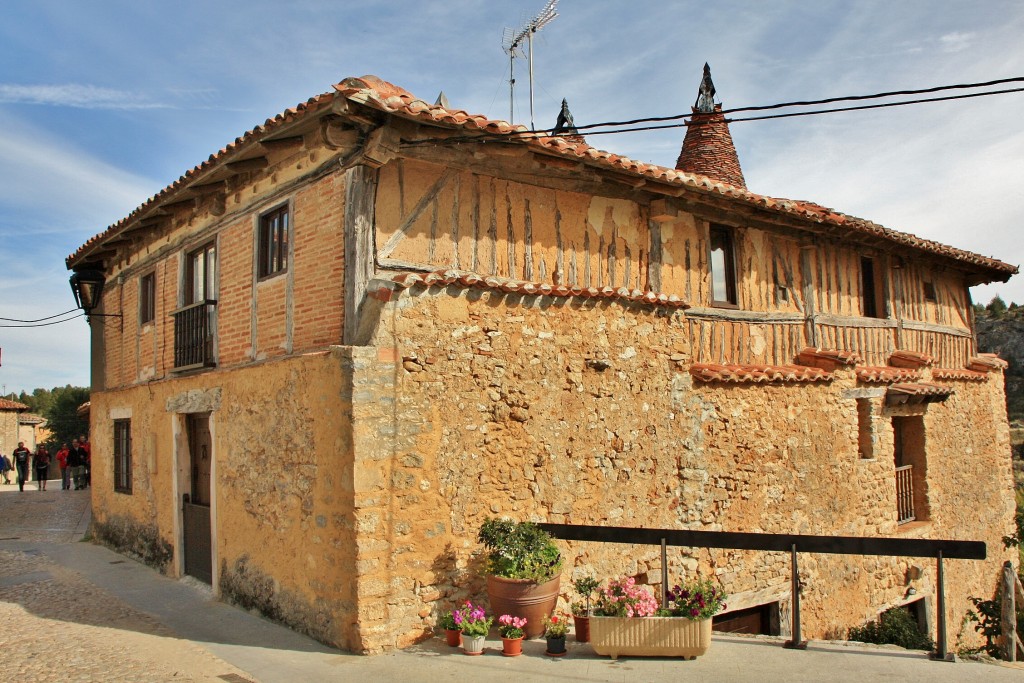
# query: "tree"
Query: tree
{"points": [[997, 307], [64, 422]]}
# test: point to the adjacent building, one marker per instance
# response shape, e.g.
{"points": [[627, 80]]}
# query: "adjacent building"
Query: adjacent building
{"points": [[362, 327]]}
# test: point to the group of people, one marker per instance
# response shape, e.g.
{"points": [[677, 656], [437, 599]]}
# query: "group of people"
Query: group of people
{"points": [[74, 463]]}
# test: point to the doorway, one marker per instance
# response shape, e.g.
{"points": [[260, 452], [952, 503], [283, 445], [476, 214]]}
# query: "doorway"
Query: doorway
{"points": [[196, 503]]}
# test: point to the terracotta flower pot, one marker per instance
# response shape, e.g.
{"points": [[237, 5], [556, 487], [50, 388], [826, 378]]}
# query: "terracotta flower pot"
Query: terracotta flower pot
{"points": [[512, 647], [582, 625], [453, 636], [522, 598]]}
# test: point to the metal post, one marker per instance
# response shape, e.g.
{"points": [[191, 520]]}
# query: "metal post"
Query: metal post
{"points": [[797, 642], [511, 85], [940, 653], [664, 573], [529, 39]]}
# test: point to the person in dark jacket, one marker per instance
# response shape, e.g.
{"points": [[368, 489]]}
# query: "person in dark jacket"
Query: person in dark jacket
{"points": [[20, 457], [76, 458], [41, 464]]}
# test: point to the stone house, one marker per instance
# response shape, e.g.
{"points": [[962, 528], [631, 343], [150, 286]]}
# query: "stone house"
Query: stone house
{"points": [[11, 413], [367, 324]]}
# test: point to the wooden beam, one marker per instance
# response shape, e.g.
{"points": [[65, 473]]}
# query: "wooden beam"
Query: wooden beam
{"points": [[247, 165], [282, 143], [422, 204], [360, 197]]}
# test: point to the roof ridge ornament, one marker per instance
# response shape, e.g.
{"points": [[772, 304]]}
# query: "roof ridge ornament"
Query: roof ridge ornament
{"points": [[564, 125], [706, 94]]}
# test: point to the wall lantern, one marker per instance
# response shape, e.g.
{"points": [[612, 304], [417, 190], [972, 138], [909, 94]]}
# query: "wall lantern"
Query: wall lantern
{"points": [[87, 286]]}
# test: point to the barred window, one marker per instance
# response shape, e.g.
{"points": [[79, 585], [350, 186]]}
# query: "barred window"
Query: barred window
{"points": [[123, 456]]}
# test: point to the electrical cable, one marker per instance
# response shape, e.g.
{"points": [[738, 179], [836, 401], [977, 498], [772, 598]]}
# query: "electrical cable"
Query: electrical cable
{"points": [[55, 322], [39, 320]]}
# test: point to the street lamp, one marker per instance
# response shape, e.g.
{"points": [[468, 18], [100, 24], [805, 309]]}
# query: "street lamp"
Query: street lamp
{"points": [[87, 286]]}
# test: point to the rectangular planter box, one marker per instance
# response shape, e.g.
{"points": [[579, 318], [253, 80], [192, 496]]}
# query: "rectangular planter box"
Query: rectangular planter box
{"points": [[649, 636]]}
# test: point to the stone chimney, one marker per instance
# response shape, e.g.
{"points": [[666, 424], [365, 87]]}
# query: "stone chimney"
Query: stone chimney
{"points": [[707, 148]]}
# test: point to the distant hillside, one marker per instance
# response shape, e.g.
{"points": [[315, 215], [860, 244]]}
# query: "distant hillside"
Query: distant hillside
{"points": [[1001, 330]]}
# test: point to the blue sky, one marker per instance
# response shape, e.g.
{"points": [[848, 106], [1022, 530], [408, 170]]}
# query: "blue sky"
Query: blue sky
{"points": [[103, 104]]}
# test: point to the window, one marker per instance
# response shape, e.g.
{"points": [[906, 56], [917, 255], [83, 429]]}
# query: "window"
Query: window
{"points": [[147, 298], [123, 456], [911, 469], [273, 242], [201, 275], [929, 291], [872, 304], [723, 268]]}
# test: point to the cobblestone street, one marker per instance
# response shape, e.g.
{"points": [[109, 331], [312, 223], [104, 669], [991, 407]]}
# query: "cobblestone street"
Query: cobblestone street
{"points": [[57, 626]]}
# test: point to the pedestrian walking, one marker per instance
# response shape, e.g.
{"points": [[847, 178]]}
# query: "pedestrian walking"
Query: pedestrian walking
{"points": [[21, 456], [5, 468], [84, 444], [41, 464], [62, 462], [76, 463]]}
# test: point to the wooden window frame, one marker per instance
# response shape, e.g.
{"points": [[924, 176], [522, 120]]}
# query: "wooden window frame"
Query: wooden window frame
{"points": [[273, 236], [208, 254], [123, 456], [147, 298], [722, 238]]}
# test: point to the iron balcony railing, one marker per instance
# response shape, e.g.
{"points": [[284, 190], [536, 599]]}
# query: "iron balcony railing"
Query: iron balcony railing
{"points": [[194, 327], [905, 494]]}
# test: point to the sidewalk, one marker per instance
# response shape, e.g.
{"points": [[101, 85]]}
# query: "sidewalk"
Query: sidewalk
{"points": [[72, 610]]}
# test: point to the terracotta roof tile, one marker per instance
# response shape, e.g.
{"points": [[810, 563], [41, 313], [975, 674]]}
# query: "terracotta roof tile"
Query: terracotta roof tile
{"points": [[886, 374], [917, 392], [910, 359], [387, 97], [469, 279], [959, 373], [987, 362], [7, 404], [827, 359], [713, 372]]}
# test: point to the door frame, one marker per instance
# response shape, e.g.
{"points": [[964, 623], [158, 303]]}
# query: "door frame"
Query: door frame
{"points": [[182, 483]]}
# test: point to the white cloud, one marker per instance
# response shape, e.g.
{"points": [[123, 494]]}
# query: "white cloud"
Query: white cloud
{"points": [[79, 95], [956, 42]]}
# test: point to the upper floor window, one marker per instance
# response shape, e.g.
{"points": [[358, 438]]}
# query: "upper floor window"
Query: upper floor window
{"points": [[147, 298], [273, 242], [929, 291], [123, 456], [871, 289], [201, 274], [723, 268]]}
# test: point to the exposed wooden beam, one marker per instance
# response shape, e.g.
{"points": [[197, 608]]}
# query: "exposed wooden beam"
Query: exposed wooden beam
{"points": [[247, 165]]}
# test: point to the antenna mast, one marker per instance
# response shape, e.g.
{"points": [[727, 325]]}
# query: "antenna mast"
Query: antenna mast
{"points": [[514, 41]]}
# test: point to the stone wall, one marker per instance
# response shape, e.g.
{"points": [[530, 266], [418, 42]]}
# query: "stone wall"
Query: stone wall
{"points": [[583, 411]]}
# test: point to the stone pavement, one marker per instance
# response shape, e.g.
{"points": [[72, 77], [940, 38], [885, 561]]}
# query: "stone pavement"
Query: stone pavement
{"points": [[74, 611]]}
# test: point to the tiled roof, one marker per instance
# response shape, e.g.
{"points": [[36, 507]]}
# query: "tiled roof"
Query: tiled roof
{"points": [[827, 359], [886, 374], [7, 404], [383, 96], [464, 278], [959, 373], [918, 392], [910, 359], [713, 372], [30, 419], [708, 149], [987, 362]]}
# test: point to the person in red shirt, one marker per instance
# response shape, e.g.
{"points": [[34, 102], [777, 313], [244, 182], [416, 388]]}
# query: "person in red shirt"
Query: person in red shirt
{"points": [[62, 462]]}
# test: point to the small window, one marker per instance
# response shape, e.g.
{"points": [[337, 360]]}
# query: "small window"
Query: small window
{"points": [[929, 291], [723, 268], [273, 242], [201, 275], [871, 289], [123, 456], [147, 298]]}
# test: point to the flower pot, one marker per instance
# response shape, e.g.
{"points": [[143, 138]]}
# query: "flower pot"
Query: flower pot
{"points": [[473, 645], [650, 636], [556, 647], [582, 624], [453, 636], [522, 598], [512, 647]]}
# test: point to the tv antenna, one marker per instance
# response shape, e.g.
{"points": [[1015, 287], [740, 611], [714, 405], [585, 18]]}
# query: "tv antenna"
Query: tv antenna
{"points": [[512, 43]]}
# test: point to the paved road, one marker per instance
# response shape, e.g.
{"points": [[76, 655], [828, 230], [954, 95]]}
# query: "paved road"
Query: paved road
{"points": [[74, 611]]}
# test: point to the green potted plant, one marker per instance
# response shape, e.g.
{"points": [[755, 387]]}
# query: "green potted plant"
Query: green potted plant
{"points": [[555, 628], [581, 611], [474, 623], [452, 632], [523, 567]]}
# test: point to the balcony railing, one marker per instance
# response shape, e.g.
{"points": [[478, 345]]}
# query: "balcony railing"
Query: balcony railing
{"points": [[194, 327], [905, 494]]}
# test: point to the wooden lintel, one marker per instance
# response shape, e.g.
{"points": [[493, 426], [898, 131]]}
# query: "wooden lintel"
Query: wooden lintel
{"points": [[283, 143], [246, 165], [398, 264]]}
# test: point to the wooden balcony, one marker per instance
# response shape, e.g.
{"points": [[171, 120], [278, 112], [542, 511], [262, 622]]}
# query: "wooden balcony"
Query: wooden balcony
{"points": [[905, 494], [194, 327]]}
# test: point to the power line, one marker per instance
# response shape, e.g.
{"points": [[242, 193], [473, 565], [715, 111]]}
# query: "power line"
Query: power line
{"points": [[55, 322], [39, 320]]}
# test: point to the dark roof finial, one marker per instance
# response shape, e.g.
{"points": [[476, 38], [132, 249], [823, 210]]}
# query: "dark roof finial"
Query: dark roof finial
{"points": [[706, 95], [564, 125]]}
